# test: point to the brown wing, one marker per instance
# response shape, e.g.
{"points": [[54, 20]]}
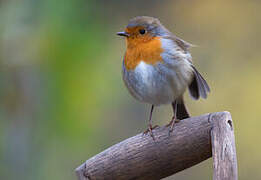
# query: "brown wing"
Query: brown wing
{"points": [[198, 87], [180, 42]]}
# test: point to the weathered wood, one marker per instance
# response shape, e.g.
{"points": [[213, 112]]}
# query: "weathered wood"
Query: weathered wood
{"points": [[140, 157], [223, 147]]}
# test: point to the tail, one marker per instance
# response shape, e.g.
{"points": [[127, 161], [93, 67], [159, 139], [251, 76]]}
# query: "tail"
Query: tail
{"points": [[182, 112], [198, 87]]}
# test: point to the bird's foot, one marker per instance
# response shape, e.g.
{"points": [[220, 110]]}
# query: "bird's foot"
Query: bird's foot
{"points": [[171, 124], [149, 130]]}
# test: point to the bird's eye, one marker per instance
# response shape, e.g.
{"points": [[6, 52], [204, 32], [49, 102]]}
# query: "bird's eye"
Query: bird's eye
{"points": [[142, 31]]}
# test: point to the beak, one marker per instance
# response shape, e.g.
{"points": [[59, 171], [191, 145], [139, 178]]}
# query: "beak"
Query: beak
{"points": [[123, 34]]}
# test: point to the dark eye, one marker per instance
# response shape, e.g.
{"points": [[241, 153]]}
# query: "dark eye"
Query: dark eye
{"points": [[142, 31]]}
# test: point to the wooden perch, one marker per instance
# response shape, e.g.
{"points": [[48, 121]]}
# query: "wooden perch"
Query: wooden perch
{"points": [[192, 141]]}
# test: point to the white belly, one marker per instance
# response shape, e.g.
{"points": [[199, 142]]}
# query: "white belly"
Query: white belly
{"points": [[159, 84]]}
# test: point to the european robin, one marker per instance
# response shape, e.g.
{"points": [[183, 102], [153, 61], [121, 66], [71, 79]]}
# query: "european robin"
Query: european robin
{"points": [[157, 68]]}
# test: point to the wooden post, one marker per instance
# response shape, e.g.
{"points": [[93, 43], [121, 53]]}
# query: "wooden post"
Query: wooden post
{"points": [[223, 147], [192, 141]]}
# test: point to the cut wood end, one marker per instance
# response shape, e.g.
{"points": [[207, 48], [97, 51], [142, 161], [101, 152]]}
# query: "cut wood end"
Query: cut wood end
{"points": [[219, 117]]}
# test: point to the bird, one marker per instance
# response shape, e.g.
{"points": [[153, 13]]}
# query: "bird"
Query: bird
{"points": [[157, 68]]}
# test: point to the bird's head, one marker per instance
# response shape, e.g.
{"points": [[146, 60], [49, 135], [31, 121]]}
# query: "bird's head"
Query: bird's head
{"points": [[142, 29]]}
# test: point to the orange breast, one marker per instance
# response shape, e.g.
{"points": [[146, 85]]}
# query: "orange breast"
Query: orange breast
{"points": [[142, 50]]}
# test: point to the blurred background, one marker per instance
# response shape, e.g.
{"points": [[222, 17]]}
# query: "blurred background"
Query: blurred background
{"points": [[62, 99]]}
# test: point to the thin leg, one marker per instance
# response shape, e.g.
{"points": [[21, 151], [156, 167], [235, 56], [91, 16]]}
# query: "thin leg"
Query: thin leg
{"points": [[174, 118], [150, 119], [174, 107], [150, 128]]}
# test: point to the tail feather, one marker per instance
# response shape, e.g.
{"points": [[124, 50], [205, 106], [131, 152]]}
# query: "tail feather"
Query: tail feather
{"points": [[182, 112], [198, 87]]}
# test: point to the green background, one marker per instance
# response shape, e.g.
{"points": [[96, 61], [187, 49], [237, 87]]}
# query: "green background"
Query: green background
{"points": [[62, 99]]}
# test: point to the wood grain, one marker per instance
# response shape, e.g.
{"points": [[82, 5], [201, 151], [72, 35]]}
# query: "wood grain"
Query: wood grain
{"points": [[141, 157], [223, 147]]}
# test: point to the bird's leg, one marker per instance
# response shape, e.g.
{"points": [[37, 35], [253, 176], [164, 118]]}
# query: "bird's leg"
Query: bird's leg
{"points": [[174, 118], [150, 128]]}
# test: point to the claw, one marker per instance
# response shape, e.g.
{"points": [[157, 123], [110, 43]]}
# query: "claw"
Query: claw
{"points": [[171, 124], [149, 130], [177, 120]]}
